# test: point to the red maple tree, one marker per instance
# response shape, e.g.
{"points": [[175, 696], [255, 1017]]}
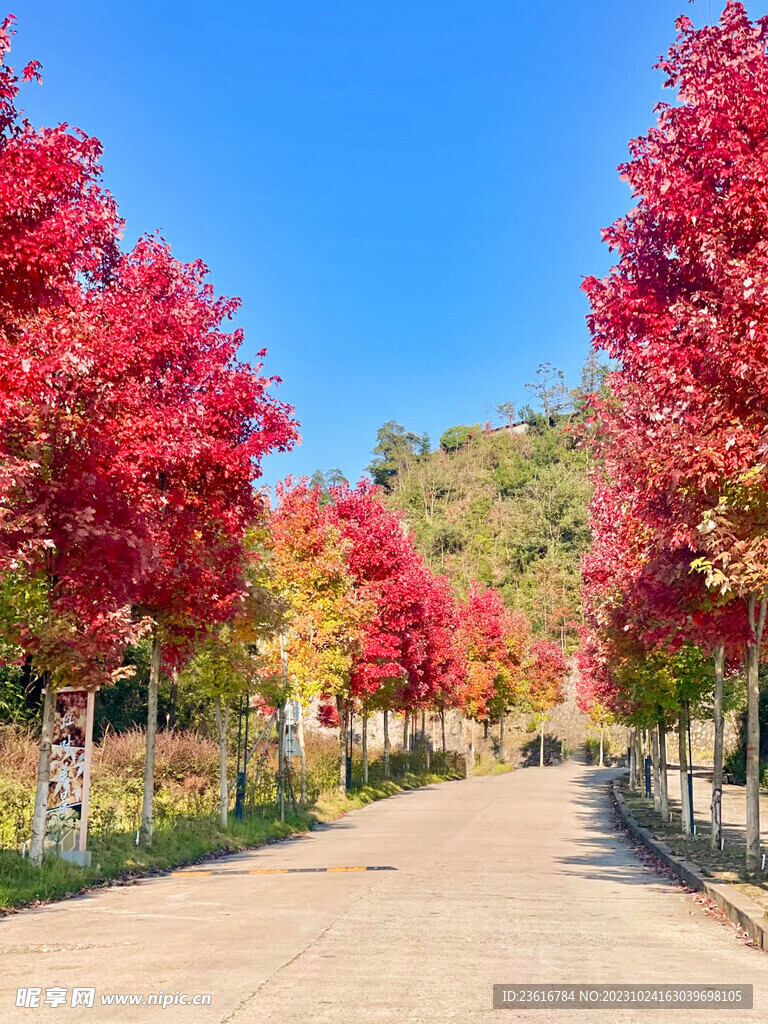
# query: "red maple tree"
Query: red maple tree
{"points": [[683, 311]]}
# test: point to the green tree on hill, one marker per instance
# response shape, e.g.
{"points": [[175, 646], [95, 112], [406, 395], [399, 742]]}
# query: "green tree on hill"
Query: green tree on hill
{"points": [[395, 448], [509, 510], [454, 437]]}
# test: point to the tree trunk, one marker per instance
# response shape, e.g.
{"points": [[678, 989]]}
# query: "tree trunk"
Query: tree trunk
{"points": [[341, 704], [470, 749], [656, 770], [541, 744], [682, 732], [632, 765], [147, 807], [663, 787], [442, 729], [39, 815], [634, 775], [757, 625], [365, 745], [501, 737], [386, 744], [716, 831], [222, 724], [174, 700], [281, 773], [640, 769], [602, 746], [405, 732], [303, 760]]}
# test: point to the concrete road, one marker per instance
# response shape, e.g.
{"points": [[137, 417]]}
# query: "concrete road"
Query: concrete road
{"points": [[513, 878]]}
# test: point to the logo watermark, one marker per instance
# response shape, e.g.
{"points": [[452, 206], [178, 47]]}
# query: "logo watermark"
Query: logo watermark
{"points": [[35, 997], [651, 997]]}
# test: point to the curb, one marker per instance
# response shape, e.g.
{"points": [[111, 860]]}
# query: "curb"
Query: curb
{"points": [[742, 910]]}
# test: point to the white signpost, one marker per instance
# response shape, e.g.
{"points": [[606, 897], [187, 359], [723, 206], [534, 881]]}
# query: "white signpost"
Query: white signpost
{"points": [[293, 739]]}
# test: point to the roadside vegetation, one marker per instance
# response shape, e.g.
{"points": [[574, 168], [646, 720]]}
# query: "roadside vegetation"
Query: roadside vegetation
{"points": [[675, 584], [188, 826], [141, 560]]}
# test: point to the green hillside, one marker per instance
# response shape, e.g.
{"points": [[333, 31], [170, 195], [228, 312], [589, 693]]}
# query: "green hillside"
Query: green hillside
{"points": [[505, 506]]}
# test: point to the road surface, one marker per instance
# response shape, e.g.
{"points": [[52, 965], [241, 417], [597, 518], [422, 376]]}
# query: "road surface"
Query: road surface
{"points": [[515, 878]]}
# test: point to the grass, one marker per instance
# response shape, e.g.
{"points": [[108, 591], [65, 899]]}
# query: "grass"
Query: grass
{"points": [[117, 858]]}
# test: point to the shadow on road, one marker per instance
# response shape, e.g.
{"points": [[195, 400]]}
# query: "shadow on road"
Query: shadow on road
{"points": [[607, 855]]}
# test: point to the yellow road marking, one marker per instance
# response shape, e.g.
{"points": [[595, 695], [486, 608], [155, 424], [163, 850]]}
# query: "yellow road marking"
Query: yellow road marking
{"points": [[275, 871]]}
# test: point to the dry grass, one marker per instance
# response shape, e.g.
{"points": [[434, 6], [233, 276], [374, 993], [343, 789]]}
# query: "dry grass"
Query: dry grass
{"points": [[178, 755], [18, 755]]}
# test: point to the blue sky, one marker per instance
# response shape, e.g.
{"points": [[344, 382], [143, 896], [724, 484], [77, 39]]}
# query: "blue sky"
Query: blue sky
{"points": [[404, 193]]}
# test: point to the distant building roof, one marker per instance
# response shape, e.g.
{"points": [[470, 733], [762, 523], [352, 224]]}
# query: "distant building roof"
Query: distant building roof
{"points": [[521, 427]]}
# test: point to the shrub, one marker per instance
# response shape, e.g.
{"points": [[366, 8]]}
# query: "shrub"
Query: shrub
{"points": [[592, 750]]}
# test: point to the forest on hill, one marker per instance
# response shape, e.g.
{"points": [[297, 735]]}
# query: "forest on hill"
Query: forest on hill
{"points": [[503, 505]]}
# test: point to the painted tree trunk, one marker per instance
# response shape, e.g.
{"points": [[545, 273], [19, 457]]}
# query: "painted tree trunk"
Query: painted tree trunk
{"points": [[663, 786], [39, 814], [222, 725], [682, 746], [365, 745], [386, 744], [405, 732], [716, 830], [442, 729], [602, 746], [342, 706], [427, 760], [148, 802], [501, 737], [757, 625]]}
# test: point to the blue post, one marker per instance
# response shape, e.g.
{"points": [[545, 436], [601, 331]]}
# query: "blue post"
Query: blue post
{"points": [[647, 776], [239, 794]]}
